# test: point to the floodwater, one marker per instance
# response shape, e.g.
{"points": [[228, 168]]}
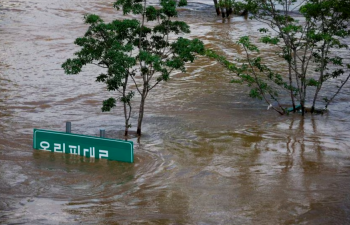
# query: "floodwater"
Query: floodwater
{"points": [[208, 155]]}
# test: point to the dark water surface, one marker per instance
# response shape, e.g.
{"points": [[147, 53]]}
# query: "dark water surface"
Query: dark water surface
{"points": [[209, 154]]}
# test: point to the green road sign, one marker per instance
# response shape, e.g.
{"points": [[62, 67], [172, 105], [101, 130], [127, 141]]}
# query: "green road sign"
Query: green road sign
{"points": [[88, 146]]}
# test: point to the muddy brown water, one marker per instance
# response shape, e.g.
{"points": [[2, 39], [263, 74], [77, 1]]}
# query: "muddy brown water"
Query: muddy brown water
{"points": [[209, 154]]}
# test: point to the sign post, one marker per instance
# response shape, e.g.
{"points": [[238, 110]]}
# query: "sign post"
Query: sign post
{"points": [[88, 146]]}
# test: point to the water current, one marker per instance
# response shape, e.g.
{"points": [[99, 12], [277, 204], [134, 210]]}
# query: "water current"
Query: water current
{"points": [[208, 155]]}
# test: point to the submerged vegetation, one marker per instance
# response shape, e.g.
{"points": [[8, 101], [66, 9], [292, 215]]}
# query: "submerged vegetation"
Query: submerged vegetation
{"points": [[309, 46], [139, 51], [226, 8], [138, 54]]}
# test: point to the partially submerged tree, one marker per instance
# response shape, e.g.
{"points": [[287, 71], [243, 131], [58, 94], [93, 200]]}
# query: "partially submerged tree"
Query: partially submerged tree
{"points": [[158, 55], [132, 52], [264, 83], [228, 7], [307, 44], [217, 8], [111, 47]]}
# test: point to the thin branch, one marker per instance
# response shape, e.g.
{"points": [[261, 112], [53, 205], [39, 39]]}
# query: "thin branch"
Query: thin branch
{"points": [[257, 82], [346, 80], [99, 65], [133, 79]]}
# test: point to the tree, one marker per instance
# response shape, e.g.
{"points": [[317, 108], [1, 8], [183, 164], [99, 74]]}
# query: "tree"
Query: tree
{"points": [[217, 8], [158, 56], [134, 52], [228, 7], [308, 46], [109, 46]]}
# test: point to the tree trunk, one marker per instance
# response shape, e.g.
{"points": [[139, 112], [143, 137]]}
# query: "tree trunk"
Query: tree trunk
{"points": [[126, 132], [303, 97], [291, 85], [336, 93], [244, 13], [302, 108], [314, 100], [217, 7], [223, 13], [125, 108], [126, 120], [229, 11], [141, 110], [320, 80]]}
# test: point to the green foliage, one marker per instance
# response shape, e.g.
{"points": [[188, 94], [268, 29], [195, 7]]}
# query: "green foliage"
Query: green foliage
{"points": [[255, 93], [127, 98], [270, 40], [182, 3], [237, 81], [221, 59], [129, 50], [109, 46], [308, 48], [226, 3], [264, 83], [134, 6], [312, 82], [158, 57], [245, 41], [108, 104]]}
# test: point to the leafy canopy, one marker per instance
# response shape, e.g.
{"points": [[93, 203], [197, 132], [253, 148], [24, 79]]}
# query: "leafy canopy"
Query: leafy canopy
{"points": [[131, 51]]}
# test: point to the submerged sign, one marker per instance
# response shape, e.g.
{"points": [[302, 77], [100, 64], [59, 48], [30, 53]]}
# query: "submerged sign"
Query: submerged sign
{"points": [[88, 146]]}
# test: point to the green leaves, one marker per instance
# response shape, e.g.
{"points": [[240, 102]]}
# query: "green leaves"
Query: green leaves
{"points": [[309, 48], [221, 59], [127, 98], [149, 59], [236, 81], [151, 13], [109, 46], [312, 82], [92, 19], [186, 49], [182, 3], [166, 27], [263, 82], [244, 41], [226, 3], [73, 66], [128, 48], [168, 8], [254, 93], [108, 104], [128, 6], [291, 28]]}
